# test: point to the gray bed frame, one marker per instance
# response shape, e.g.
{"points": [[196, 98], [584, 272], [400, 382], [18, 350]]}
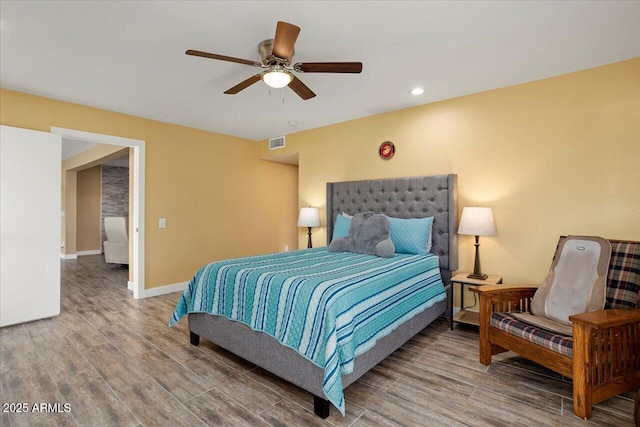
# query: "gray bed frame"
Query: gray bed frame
{"points": [[414, 197]]}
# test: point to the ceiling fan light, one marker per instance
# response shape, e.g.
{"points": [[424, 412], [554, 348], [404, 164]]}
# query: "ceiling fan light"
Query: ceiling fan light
{"points": [[277, 78]]}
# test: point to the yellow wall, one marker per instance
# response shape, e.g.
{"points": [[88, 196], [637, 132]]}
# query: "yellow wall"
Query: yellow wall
{"points": [[555, 156], [88, 184], [220, 201]]}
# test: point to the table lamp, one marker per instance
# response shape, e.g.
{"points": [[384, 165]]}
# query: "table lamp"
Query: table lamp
{"points": [[309, 217], [477, 221]]}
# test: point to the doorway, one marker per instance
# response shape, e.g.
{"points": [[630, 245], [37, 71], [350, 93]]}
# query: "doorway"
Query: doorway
{"points": [[137, 208]]}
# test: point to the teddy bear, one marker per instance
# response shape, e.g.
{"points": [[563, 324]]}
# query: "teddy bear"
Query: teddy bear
{"points": [[368, 234]]}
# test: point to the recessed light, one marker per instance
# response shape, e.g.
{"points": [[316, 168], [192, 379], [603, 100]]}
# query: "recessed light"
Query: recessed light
{"points": [[417, 91]]}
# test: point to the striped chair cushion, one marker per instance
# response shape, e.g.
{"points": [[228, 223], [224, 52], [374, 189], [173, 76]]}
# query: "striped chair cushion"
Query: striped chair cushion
{"points": [[559, 343], [623, 278]]}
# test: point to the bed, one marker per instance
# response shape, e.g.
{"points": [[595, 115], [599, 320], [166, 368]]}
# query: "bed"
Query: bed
{"points": [[289, 351]]}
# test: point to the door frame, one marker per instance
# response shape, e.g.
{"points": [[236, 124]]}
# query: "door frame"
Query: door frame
{"points": [[138, 195]]}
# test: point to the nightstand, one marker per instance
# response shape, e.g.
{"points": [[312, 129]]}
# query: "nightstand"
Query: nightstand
{"points": [[465, 316]]}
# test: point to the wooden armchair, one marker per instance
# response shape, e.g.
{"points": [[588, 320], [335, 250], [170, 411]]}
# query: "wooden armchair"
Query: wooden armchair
{"points": [[603, 355]]}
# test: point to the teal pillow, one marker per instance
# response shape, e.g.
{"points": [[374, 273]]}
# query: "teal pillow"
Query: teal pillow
{"points": [[341, 227], [411, 235]]}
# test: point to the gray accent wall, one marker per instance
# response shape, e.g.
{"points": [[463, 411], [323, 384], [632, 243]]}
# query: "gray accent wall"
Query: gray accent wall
{"points": [[115, 194]]}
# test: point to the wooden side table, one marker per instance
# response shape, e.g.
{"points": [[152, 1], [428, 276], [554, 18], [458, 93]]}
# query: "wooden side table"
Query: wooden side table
{"points": [[465, 316]]}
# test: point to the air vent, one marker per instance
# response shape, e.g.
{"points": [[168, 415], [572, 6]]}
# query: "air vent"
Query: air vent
{"points": [[275, 143]]}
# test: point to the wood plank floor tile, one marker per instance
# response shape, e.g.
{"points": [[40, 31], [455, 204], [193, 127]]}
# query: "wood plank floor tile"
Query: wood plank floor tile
{"points": [[513, 359], [222, 355], [98, 318], [92, 402], [497, 409], [448, 405], [148, 400], [17, 351], [457, 354], [367, 419], [405, 355], [128, 342], [215, 408], [174, 377], [286, 390], [32, 387], [44, 332], [175, 346], [302, 398], [617, 405], [393, 409], [530, 379], [251, 394], [287, 413], [63, 359], [508, 385], [601, 417], [116, 362], [379, 377], [80, 332]]}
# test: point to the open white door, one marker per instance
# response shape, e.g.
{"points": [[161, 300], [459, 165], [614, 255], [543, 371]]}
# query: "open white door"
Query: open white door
{"points": [[29, 225]]}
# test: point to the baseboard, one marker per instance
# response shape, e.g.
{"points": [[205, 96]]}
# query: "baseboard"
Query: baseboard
{"points": [[130, 285], [90, 252], [69, 256], [162, 290]]}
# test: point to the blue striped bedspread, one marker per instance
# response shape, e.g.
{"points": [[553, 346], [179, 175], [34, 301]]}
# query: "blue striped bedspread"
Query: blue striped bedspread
{"points": [[328, 306]]}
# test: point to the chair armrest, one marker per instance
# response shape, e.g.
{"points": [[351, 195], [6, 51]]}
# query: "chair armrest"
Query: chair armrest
{"points": [[499, 289], [498, 298], [606, 345], [606, 318], [504, 293], [502, 298]]}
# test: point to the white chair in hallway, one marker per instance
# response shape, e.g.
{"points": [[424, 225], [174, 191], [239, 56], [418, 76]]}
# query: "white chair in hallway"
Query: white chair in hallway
{"points": [[116, 247]]}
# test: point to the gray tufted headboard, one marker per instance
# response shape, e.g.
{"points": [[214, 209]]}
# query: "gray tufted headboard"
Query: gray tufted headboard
{"points": [[415, 197]]}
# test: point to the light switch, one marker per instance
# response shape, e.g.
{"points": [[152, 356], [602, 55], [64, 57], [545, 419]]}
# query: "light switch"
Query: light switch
{"points": [[162, 223]]}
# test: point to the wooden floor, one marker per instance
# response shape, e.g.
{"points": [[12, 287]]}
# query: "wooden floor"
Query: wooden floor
{"points": [[110, 360]]}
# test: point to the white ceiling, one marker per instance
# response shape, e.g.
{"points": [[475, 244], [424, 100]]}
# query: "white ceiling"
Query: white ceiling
{"points": [[128, 56], [72, 147]]}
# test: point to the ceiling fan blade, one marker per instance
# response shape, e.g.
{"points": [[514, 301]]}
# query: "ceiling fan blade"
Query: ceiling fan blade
{"points": [[301, 89], [286, 36], [243, 85], [328, 67], [222, 57]]}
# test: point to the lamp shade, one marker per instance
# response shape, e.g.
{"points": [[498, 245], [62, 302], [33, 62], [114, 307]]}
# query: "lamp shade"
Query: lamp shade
{"points": [[277, 78], [309, 217], [477, 221]]}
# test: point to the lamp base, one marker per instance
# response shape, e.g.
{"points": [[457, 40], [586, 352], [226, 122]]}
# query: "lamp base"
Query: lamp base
{"points": [[477, 273]]}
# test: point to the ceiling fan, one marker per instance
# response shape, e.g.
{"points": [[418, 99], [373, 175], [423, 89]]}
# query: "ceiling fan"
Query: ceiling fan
{"points": [[276, 57]]}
